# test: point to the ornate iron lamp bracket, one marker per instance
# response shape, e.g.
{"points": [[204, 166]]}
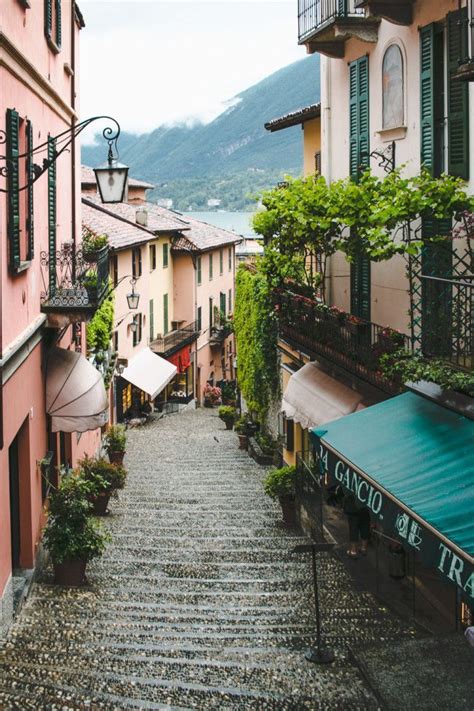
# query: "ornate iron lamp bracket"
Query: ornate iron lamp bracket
{"points": [[61, 143]]}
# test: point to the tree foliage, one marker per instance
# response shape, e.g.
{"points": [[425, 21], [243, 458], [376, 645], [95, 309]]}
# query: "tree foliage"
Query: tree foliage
{"points": [[255, 329], [100, 327]]}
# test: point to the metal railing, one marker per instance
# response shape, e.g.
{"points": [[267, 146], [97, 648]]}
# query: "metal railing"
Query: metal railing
{"points": [[352, 343], [71, 282], [174, 340], [314, 14], [309, 492], [448, 320]]}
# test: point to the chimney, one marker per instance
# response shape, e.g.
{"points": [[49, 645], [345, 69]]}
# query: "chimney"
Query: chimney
{"points": [[141, 216]]}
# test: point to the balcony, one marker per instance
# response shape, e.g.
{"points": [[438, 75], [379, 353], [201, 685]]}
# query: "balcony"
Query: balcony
{"points": [[344, 340], [400, 12], [448, 320], [168, 344], [221, 329], [325, 25], [73, 287]]}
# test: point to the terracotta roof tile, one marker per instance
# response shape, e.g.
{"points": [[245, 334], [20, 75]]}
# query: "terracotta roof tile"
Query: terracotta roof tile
{"points": [[294, 118], [88, 178]]}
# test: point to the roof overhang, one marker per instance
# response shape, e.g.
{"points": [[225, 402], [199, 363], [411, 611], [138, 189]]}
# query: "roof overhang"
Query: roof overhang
{"points": [[295, 118]]}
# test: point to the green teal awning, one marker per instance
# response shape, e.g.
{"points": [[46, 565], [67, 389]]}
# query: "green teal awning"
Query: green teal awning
{"points": [[412, 463]]}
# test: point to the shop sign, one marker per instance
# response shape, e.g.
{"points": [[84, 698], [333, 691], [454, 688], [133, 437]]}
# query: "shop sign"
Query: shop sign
{"points": [[398, 522]]}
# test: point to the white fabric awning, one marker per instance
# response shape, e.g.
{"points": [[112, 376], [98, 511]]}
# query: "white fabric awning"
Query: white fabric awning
{"points": [[149, 372], [312, 397], [75, 393]]}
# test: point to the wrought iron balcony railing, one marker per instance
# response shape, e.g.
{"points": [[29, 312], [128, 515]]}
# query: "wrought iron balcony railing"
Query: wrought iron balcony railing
{"points": [[448, 320], [72, 284], [347, 341], [167, 344], [314, 15], [221, 328]]}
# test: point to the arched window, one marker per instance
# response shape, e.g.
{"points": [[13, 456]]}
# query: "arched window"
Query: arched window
{"points": [[392, 88]]}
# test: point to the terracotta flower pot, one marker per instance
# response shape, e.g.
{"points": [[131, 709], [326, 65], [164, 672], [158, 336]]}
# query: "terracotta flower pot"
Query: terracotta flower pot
{"points": [[70, 573], [243, 441], [100, 503], [116, 457], [288, 509]]}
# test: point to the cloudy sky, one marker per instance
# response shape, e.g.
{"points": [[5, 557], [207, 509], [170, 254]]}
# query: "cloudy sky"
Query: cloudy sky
{"points": [[149, 62]]}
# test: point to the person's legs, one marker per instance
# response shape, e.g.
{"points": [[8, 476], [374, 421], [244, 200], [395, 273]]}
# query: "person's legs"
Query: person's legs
{"points": [[363, 525], [353, 534]]}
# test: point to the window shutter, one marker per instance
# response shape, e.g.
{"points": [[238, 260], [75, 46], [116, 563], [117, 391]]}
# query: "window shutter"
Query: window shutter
{"points": [[30, 172], [52, 214], [165, 314], [363, 111], [290, 435], [360, 287], [223, 302], [58, 22], [427, 96], [48, 18], [152, 321], [353, 123], [342, 7], [458, 98], [13, 185]]}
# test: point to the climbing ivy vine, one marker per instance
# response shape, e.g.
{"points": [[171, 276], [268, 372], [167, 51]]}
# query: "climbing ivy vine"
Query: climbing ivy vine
{"points": [[255, 329], [100, 327]]}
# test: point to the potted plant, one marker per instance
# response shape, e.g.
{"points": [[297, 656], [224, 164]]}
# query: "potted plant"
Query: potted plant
{"points": [[71, 536], [228, 394], [227, 415], [212, 395], [104, 479], [92, 244], [115, 442], [89, 283], [280, 484]]}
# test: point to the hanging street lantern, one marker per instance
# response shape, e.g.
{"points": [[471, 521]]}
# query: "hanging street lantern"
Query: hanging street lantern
{"points": [[112, 180]]}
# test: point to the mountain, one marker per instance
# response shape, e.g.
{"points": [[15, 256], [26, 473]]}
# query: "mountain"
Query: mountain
{"points": [[233, 154]]}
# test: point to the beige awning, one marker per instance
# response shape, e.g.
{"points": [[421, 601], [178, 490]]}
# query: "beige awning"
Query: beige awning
{"points": [[312, 397], [75, 394], [149, 372]]}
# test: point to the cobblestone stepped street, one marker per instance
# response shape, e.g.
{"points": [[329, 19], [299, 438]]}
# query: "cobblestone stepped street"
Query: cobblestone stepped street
{"points": [[198, 602]]}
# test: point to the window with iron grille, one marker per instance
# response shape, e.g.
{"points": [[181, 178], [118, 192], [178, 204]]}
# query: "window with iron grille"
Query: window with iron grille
{"points": [[221, 261], [114, 269], [317, 162], [230, 259], [210, 266], [165, 254]]}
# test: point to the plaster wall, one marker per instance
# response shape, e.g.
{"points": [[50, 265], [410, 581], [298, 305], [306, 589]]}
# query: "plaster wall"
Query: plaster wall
{"points": [[311, 144], [389, 297], [151, 285]]}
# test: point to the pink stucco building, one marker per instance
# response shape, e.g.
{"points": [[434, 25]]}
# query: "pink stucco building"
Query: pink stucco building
{"points": [[38, 100]]}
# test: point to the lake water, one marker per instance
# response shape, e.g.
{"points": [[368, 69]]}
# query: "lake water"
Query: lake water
{"points": [[239, 222]]}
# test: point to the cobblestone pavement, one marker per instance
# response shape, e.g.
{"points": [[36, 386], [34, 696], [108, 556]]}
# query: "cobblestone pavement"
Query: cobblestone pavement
{"points": [[198, 602]]}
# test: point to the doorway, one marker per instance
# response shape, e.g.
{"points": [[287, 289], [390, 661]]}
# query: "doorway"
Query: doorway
{"points": [[14, 480]]}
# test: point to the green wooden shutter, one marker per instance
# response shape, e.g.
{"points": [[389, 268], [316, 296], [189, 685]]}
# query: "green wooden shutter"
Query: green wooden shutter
{"points": [[58, 23], [52, 213], [360, 287], [342, 7], [199, 270], [359, 159], [30, 172], [353, 122], [13, 185], [458, 98], [427, 96], [152, 321], [363, 111], [222, 304], [48, 18], [199, 318], [165, 314]]}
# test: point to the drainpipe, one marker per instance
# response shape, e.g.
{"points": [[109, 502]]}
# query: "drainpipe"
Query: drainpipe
{"points": [[326, 152], [73, 125]]}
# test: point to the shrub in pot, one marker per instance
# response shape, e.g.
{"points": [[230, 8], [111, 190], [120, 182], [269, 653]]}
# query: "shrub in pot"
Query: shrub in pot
{"points": [[92, 243], [243, 429], [71, 536], [280, 484], [104, 479], [115, 441], [227, 415]]}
